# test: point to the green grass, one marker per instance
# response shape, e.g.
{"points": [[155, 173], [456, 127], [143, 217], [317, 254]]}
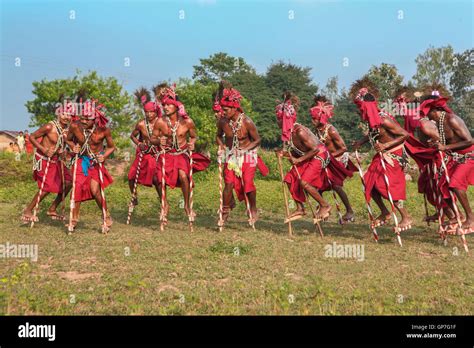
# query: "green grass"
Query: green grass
{"points": [[137, 269]]}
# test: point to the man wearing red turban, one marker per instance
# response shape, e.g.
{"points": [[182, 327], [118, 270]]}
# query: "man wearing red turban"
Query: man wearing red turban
{"points": [[238, 140], [176, 135], [455, 141], [146, 153], [342, 167], [429, 162], [87, 140], [387, 138], [52, 148], [307, 155]]}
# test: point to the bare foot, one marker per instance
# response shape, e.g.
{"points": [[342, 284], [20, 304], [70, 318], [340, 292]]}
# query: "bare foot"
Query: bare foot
{"points": [[254, 218], [190, 213], [225, 215], [381, 220], [73, 224], [297, 214], [135, 201], [27, 217], [405, 224], [348, 217], [323, 213], [108, 220], [468, 226], [53, 214]]}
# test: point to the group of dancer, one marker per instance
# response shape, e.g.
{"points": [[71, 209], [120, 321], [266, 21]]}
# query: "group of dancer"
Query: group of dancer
{"points": [[70, 152]]}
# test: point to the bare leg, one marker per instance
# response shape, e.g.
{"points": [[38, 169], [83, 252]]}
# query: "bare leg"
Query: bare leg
{"points": [[228, 200], [349, 215], [184, 182], [406, 221], [157, 185], [299, 212], [95, 190], [252, 197], [75, 214], [325, 208], [28, 212], [462, 197], [384, 212], [52, 211]]}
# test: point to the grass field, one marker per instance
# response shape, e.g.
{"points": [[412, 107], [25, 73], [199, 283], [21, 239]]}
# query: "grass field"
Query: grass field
{"points": [[139, 270]]}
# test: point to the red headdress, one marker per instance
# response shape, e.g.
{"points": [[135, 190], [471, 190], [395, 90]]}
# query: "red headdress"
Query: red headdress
{"points": [[93, 111], [429, 104], [169, 96], [151, 106], [286, 112], [231, 98], [144, 98], [368, 109], [322, 112]]}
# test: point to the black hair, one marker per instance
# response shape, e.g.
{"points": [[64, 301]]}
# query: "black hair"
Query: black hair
{"points": [[369, 97], [320, 98]]}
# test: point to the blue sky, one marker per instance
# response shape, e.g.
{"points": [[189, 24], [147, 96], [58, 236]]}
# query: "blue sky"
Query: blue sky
{"points": [[161, 46]]}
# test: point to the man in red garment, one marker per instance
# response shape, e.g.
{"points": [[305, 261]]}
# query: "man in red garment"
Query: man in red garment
{"points": [[307, 155], [175, 133], [238, 138], [141, 138], [455, 141], [328, 135], [387, 138], [87, 139], [52, 148]]}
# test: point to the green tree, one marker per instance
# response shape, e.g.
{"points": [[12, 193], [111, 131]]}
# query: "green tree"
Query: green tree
{"points": [[283, 76], [386, 78], [435, 65], [219, 66], [461, 86], [463, 73], [346, 119], [197, 99], [331, 91], [106, 90], [254, 88]]}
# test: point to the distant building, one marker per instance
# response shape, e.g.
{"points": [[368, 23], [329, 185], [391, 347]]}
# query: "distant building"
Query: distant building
{"points": [[7, 137]]}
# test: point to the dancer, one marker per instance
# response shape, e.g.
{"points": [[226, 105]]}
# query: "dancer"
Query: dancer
{"points": [[384, 177], [49, 163], [91, 176], [327, 134], [238, 140]]}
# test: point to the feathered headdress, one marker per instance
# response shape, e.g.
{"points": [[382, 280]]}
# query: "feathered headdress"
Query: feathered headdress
{"points": [[231, 98], [322, 111], [143, 95], [363, 86], [169, 96]]}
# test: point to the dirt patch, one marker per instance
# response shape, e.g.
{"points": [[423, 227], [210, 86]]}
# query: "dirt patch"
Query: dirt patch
{"points": [[117, 167], [75, 276]]}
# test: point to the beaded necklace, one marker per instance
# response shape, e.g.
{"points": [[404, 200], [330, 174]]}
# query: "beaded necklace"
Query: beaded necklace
{"points": [[236, 126]]}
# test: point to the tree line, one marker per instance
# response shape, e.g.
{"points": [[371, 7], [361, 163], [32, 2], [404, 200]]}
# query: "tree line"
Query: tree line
{"points": [[449, 72]]}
